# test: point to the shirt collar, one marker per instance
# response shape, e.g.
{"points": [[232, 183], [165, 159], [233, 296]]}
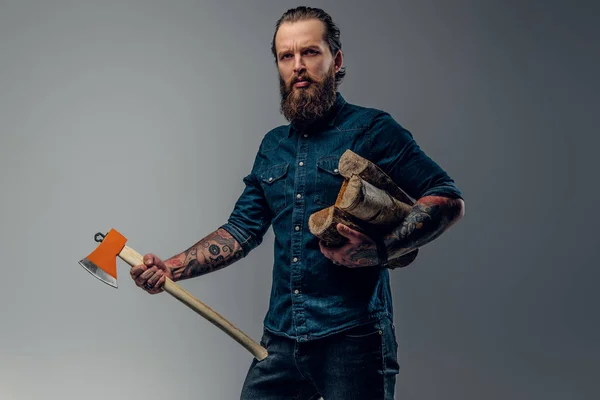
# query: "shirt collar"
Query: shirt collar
{"points": [[328, 119]]}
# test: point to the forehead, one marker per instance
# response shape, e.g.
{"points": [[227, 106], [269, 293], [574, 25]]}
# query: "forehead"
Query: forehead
{"points": [[300, 33]]}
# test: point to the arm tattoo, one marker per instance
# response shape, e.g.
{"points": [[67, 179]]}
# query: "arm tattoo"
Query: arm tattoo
{"points": [[363, 255], [428, 219], [215, 251]]}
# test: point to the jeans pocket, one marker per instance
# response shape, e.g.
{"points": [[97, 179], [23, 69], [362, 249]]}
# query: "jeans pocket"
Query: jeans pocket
{"points": [[265, 339], [363, 331]]}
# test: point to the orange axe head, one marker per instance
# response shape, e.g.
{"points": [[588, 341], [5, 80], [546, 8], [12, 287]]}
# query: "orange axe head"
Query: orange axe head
{"points": [[102, 262]]}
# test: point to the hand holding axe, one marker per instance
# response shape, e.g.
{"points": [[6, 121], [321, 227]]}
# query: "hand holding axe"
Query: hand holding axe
{"points": [[102, 264]]}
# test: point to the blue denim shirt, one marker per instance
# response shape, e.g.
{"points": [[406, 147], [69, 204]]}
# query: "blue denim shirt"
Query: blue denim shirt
{"points": [[294, 175]]}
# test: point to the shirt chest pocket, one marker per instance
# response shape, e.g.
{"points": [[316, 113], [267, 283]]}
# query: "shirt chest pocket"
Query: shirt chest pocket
{"points": [[273, 181], [328, 180]]}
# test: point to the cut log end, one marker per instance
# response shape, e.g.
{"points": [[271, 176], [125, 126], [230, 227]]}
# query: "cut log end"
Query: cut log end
{"points": [[351, 163], [323, 224], [320, 220], [351, 194]]}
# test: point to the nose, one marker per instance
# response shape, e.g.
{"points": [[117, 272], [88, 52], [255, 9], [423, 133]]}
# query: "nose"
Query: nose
{"points": [[298, 64]]}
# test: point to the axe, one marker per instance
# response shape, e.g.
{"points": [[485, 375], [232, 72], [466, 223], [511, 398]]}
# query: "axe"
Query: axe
{"points": [[102, 263]]}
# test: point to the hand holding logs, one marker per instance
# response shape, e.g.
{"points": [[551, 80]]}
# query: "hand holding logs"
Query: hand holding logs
{"points": [[369, 201]]}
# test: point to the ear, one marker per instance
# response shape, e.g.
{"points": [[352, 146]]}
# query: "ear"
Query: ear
{"points": [[338, 61]]}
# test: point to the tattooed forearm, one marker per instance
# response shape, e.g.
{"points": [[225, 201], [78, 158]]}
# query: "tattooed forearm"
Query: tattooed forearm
{"points": [[428, 219], [215, 251]]}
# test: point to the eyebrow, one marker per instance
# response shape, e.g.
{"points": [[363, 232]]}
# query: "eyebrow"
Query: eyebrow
{"points": [[310, 46]]}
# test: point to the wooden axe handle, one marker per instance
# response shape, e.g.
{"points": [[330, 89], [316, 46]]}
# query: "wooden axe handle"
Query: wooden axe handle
{"points": [[134, 258]]}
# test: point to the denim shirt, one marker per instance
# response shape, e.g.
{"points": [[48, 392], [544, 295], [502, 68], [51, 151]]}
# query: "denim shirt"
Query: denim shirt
{"points": [[294, 175]]}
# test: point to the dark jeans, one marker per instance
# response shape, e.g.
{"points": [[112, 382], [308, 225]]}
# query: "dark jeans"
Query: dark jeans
{"points": [[357, 364]]}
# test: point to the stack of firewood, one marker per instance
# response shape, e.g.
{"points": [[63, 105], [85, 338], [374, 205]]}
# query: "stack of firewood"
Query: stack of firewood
{"points": [[369, 201]]}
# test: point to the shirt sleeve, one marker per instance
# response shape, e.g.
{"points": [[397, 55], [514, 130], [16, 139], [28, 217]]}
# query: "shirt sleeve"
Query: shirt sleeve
{"points": [[251, 216], [396, 152]]}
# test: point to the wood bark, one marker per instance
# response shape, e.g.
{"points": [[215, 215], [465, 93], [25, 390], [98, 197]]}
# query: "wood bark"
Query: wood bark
{"points": [[352, 164], [369, 201], [370, 204]]}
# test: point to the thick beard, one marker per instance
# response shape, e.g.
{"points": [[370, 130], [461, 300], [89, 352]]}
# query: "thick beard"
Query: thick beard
{"points": [[306, 105]]}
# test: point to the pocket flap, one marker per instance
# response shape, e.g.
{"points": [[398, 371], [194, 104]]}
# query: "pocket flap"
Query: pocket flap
{"points": [[274, 173], [329, 164]]}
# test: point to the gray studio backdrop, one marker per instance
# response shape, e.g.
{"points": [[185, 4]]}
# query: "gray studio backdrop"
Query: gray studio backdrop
{"points": [[144, 116]]}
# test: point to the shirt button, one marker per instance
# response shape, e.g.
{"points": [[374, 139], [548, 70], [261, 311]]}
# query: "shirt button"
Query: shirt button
{"points": [[297, 228], [298, 196], [336, 170], [296, 291], [295, 259], [305, 135], [270, 179], [300, 163]]}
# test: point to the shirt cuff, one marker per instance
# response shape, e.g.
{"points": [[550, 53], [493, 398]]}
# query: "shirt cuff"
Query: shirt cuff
{"points": [[445, 191], [242, 237]]}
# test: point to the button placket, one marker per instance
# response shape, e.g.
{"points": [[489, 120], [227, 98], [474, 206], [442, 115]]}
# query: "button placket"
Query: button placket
{"points": [[297, 221]]}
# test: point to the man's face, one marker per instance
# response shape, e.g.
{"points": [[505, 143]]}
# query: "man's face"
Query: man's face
{"points": [[306, 70]]}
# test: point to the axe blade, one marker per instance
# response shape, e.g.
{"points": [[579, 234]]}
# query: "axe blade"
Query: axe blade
{"points": [[98, 273], [102, 262]]}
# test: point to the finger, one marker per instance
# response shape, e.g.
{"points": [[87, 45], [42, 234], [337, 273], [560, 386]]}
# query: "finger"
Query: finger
{"points": [[330, 255], [149, 259], [148, 287], [346, 232], [142, 279], [157, 288], [154, 278], [323, 244], [351, 234], [152, 260], [140, 282], [325, 250], [148, 273], [137, 270], [161, 282]]}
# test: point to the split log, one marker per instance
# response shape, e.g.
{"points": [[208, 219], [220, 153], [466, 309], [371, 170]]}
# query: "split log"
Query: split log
{"points": [[370, 204], [362, 207], [369, 201], [352, 164], [323, 224]]}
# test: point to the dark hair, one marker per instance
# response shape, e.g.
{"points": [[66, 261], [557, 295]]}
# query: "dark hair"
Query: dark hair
{"points": [[332, 32]]}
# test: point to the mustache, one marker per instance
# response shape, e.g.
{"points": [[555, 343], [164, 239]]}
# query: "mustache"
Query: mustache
{"points": [[301, 78]]}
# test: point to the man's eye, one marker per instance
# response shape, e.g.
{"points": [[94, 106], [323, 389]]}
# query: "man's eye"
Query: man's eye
{"points": [[310, 51], [283, 57]]}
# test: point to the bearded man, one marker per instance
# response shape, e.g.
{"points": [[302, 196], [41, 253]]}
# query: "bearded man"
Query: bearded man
{"points": [[329, 328]]}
